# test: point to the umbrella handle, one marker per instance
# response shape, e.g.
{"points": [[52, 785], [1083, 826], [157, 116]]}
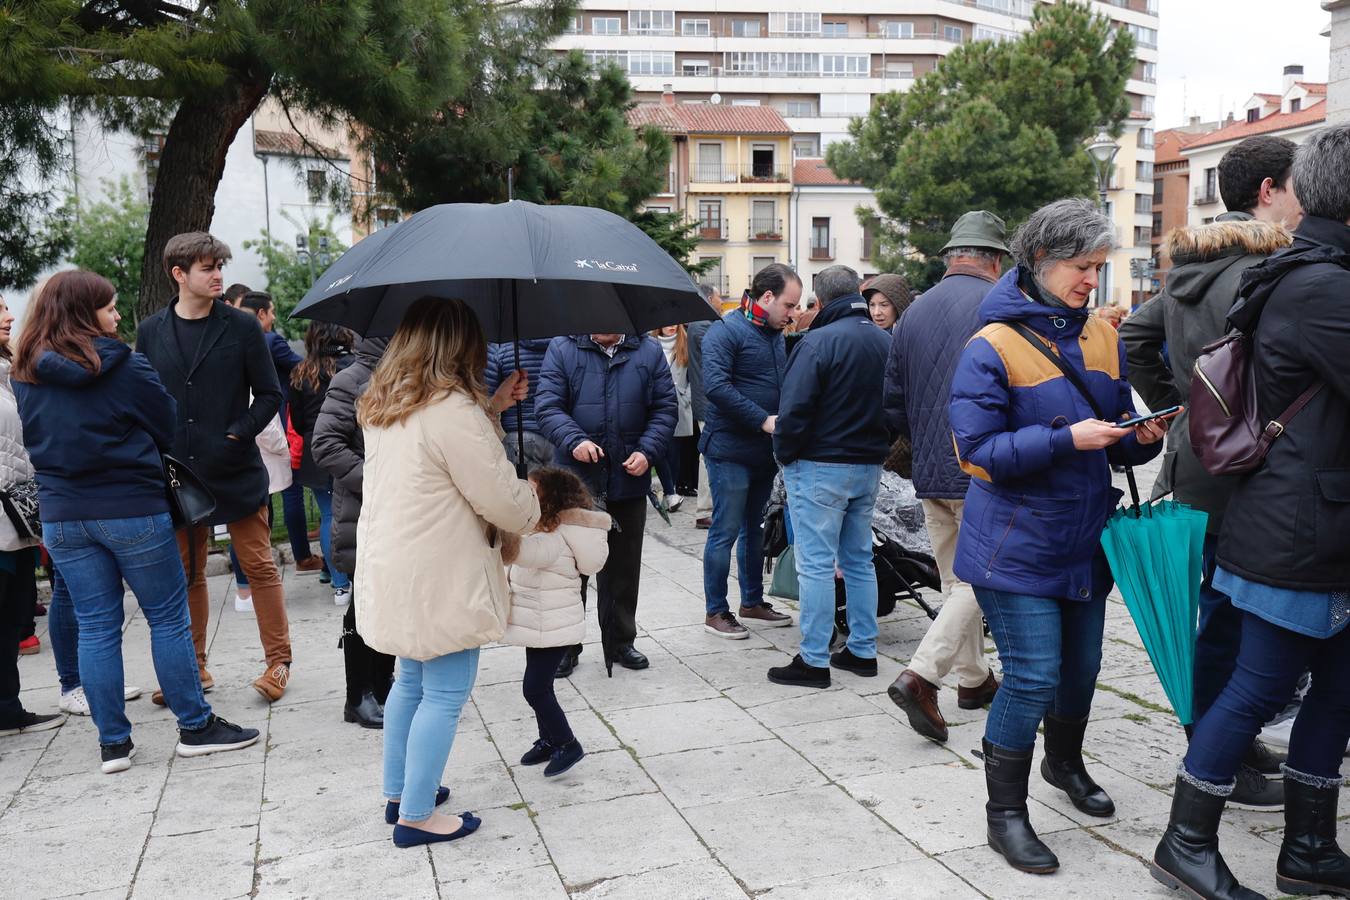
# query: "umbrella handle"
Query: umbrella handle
{"points": [[1134, 487], [520, 417]]}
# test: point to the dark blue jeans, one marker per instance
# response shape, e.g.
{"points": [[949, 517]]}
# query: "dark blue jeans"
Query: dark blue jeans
{"points": [[1051, 651], [739, 494], [95, 556], [1216, 641], [293, 515], [63, 631], [1269, 664]]}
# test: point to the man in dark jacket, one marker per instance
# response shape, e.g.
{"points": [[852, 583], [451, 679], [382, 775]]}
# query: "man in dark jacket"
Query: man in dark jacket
{"points": [[830, 436], [1208, 263], [925, 349], [214, 361], [339, 449], [698, 398], [743, 366], [607, 402], [501, 363]]}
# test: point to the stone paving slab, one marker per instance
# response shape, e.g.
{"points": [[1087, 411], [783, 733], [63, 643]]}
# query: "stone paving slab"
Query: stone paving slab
{"points": [[703, 780]]}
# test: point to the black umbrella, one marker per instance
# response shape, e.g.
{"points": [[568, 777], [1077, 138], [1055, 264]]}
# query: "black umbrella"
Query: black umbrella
{"points": [[526, 270]]}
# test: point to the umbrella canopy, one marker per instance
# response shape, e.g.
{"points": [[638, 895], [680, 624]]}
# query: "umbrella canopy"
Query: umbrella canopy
{"points": [[560, 269], [1156, 555]]}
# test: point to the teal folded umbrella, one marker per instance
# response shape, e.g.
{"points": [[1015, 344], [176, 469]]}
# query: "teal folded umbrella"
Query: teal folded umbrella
{"points": [[1156, 551]]}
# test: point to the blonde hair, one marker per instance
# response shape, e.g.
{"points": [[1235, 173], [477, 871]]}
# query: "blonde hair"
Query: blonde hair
{"points": [[438, 349]]}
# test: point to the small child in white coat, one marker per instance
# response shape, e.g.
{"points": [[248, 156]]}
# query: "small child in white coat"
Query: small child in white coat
{"points": [[547, 614]]}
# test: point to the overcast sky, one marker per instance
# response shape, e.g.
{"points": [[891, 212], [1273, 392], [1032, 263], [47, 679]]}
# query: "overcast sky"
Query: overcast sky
{"points": [[1214, 54]]}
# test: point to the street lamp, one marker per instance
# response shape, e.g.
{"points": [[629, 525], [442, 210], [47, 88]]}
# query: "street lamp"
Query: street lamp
{"points": [[1103, 150]]}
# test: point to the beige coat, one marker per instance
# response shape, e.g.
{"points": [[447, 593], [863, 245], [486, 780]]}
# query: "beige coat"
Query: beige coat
{"points": [[545, 578], [437, 489]]}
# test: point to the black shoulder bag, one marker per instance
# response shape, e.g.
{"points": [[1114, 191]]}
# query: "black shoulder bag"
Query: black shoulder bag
{"points": [[190, 500]]}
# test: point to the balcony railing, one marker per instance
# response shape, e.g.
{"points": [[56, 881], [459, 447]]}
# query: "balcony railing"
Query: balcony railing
{"points": [[722, 283], [732, 173], [765, 229], [712, 231], [823, 251], [1205, 196]]}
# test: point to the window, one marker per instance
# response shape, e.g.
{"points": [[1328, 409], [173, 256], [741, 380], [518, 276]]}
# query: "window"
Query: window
{"points": [[573, 25], [897, 29], [820, 238], [1157, 224], [745, 28], [1147, 105], [989, 33], [1143, 171], [1143, 203], [605, 25], [713, 275], [834, 29], [794, 23], [1144, 37], [1143, 235], [1211, 185], [384, 217], [696, 67], [696, 28], [871, 226], [710, 225], [762, 162], [1253, 114], [1011, 7], [759, 263], [651, 62], [663, 210], [709, 165], [954, 33], [1157, 192], [899, 69], [745, 101], [805, 146], [773, 63], [316, 182], [651, 21], [845, 65], [1145, 138], [1150, 73], [800, 108], [1296, 104], [608, 58]]}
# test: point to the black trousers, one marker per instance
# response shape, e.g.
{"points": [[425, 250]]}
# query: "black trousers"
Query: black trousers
{"points": [[618, 582], [367, 669], [540, 665], [18, 593]]}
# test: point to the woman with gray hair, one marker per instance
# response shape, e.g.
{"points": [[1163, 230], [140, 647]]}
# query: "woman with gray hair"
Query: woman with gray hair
{"points": [[1034, 401]]}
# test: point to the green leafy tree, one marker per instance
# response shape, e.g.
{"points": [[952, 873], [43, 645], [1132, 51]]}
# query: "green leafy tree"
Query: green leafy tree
{"points": [[290, 273], [677, 235], [33, 235], [997, 126], [108, 237], [204, 68]]}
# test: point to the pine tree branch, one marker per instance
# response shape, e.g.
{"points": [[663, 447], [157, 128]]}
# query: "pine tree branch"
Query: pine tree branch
{"points": [[317, 150]]}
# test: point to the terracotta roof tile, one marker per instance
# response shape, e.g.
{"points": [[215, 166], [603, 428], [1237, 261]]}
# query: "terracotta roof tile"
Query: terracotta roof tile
{"points": [[1317, 112], [288, 143], [1313, 87], [815, 171], [1169, 143], [707, 118]]}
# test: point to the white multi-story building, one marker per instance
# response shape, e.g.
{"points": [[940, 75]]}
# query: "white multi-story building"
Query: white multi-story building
{"points": [[821, 66], [1338, 88]]}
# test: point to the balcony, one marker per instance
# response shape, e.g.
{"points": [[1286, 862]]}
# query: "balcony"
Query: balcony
{"points": [[1205, 196], [765, 230], [746, 173], [712, 230], [824, 251]]}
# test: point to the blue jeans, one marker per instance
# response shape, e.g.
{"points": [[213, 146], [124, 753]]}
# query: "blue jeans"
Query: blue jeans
{"points": [[739, 494], [324, 498], [1216, 641], [831, 508], [420, 718], [64, 633], [1051, 651], [293, 516], [95, 556], [1269, 664]]}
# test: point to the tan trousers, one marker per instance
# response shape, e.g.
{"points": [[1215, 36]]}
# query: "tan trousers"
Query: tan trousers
{"points": [[955, 640], [252, 539]]}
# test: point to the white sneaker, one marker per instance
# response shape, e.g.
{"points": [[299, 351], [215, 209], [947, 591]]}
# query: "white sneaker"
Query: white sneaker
{"points": [[674, 502], [243, 604], [1276, 734], [130, 693], [75, 702], [341, 596]]}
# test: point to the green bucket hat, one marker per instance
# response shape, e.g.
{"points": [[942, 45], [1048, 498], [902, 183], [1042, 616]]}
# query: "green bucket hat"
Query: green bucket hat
{"points": [[978, 228]]}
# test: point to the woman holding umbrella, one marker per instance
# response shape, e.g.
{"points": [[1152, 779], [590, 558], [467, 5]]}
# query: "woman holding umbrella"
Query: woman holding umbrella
{"points": [[435, 477], [1034, 399]]}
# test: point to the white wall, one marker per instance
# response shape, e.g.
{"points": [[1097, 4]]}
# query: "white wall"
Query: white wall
{"points": [[838, 203], [1338, 77]]}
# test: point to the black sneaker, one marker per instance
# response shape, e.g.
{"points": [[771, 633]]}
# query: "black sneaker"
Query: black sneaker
{"points": [[798, 673], [216, 736], [845, 660], [539, 754], [564, 758], [117, 757], [1257, 792], [29, 722], [1265, 760]]}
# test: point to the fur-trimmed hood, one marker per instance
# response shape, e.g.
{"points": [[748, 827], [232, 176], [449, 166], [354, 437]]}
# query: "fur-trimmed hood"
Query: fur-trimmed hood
{"points": [[586, 518], [1200, 255]]}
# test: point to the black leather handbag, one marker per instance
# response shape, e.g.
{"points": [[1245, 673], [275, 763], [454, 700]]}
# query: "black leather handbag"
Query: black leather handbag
{"points": [[190, 500]]}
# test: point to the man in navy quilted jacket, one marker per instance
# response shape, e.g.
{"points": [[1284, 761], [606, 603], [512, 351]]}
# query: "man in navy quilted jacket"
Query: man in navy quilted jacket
{"points": [[927, 343]]}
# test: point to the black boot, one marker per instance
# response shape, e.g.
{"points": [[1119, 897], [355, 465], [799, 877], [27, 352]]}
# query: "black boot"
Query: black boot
{"points": [[1188, 856], [1063, 767], [1010, 832], [1310, 860], [368, 713]]}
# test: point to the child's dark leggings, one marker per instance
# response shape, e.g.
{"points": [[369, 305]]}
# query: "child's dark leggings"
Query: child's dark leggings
{"points": [[540, 665]]}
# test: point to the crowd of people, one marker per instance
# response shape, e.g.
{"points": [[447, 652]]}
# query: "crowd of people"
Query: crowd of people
{"points": [[1007, 395]]}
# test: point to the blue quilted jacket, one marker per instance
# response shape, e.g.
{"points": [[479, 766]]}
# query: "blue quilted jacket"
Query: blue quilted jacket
{"points": [[625, 403], [502, 362], [1036, 505], [743, 366], [925, 347]]}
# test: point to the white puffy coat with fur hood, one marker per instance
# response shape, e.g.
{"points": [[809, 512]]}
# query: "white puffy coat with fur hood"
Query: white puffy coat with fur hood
{"points": [[545, 578]]}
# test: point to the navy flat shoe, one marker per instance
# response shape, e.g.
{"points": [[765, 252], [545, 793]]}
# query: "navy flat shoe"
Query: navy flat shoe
{"points": [[408, 836], [564, 758], [391, 808]]}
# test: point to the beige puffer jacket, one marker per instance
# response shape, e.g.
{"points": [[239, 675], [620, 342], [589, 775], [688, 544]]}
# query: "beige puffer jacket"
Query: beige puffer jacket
{"points": [[437, 491], [545, 579], [15, 467]]}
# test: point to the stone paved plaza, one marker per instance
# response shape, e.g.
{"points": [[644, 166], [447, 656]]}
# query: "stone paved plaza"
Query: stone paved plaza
{"points": [[703, 780]]}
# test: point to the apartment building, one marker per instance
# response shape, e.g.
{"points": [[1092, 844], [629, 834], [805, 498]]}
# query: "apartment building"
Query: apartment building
{"points": [[1338, 90], [819, 67], [1172, 188], [825, 225]]}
